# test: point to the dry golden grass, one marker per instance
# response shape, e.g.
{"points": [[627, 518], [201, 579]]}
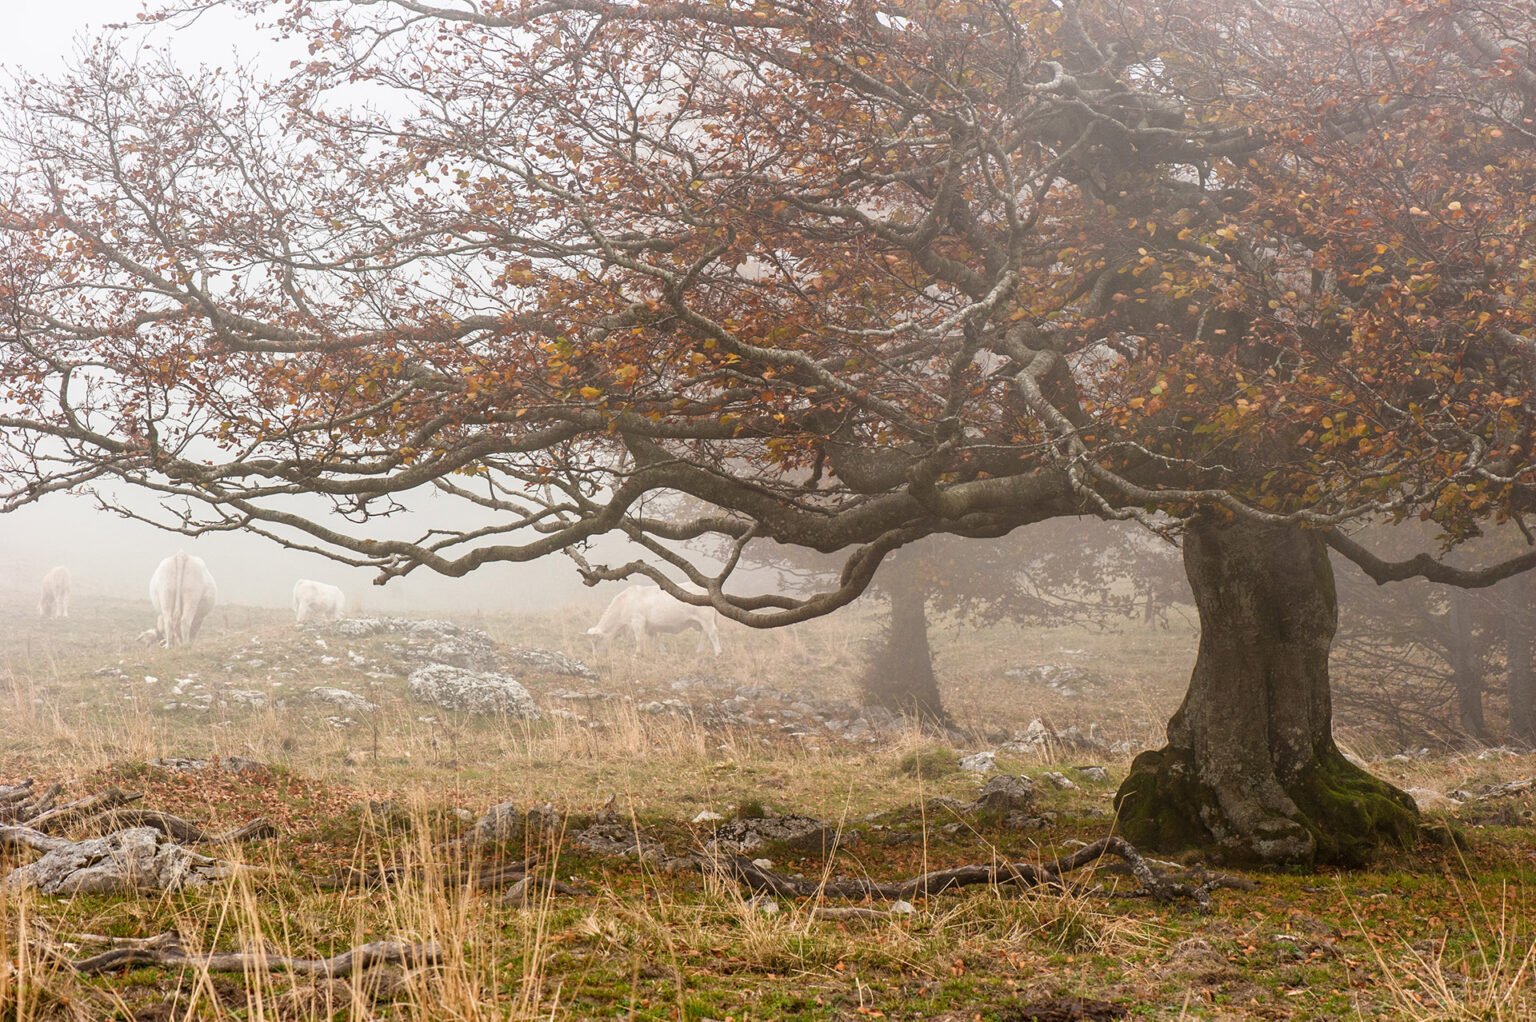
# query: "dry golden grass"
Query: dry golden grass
{"points": [[647, 944]]}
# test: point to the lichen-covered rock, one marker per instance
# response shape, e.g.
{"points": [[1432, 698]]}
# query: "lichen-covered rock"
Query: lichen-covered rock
{"points": [[1063, 679], [1007, 793], [458, 688], [350, 701], [547, 661], [979, 762], [790, 831], [233, 764], [135, 860], [1034, 738], [500, 823]]}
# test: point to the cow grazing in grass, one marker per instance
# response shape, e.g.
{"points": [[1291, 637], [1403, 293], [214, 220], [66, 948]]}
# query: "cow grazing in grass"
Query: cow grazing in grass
{"points": [[316, 602], [55, 599], [646, 610], [182, 593]]}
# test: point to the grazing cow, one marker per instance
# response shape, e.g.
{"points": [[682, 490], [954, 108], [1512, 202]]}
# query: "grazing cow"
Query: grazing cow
{"points": [[646, 610], [55, 599], [316, 601], [182, 592]]}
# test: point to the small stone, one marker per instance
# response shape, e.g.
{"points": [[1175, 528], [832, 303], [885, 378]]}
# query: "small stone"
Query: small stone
{"points": [[1061, 781], [902, 908], [501, 822], [1006, 793], [708, 817], [1096, 774], [349, 701], [763, 863], [979, 762]]}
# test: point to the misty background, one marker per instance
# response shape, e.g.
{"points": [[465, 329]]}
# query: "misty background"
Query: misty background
{"points": [[113, 556]]}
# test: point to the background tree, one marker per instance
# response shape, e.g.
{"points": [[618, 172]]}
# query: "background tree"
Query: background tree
{"points": [[848, 275], [1434, 663], [1078, 570]]}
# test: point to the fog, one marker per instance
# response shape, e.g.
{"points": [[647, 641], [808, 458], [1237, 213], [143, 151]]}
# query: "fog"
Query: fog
{"points": [[113, 556]]}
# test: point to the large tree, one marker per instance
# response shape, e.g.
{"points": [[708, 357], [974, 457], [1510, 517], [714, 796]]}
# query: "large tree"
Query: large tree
{"points": [[847, 274]]}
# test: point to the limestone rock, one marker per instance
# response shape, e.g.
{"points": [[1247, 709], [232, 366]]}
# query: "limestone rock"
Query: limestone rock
{"points": [[979, 762], [349, 701], [1007, 793], [458, 688]]}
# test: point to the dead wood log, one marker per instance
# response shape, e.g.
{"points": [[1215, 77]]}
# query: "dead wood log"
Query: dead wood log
{"points": [[348, 963], [181, 830], [15, 836], [1020, 874], [20, 803], [92, 805], [12, 793], [490, 877]]}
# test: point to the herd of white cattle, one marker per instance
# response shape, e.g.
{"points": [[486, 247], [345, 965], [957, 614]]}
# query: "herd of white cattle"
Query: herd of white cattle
{"points": [[183, 593]]}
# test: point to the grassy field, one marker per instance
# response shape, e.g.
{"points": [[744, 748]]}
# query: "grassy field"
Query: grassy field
{"points": [[1433, 934]]}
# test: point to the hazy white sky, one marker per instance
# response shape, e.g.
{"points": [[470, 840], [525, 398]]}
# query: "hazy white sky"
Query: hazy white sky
{"points": [[39, 36], [115, 557]]}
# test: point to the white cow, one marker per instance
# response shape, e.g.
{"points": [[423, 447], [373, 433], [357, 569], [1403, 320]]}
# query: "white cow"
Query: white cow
{"points": [[182, 592], [316, 601], [646, 610], [55, 599]]}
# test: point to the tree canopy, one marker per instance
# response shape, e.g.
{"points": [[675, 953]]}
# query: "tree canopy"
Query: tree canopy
{"points": [[846, 273]]}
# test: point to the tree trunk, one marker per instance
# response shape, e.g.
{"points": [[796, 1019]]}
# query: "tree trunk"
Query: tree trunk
{"points": [[1251, 771], [900, 676], [1466, 667], [1521, 683]]}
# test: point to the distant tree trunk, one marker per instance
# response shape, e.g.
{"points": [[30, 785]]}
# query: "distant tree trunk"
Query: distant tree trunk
{"points": [[900, 676], [1519, 611], [1251, 771], [1466, 667]]}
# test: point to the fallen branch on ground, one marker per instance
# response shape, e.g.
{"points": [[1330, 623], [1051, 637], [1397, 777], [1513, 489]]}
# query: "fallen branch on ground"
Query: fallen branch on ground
{"points": [[179, 829], [85, 808], [1018, 874], [491, 877], [166, 950]]}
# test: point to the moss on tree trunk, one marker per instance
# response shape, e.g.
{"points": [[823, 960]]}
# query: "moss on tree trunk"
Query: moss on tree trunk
{"points": [[1251, 771]]}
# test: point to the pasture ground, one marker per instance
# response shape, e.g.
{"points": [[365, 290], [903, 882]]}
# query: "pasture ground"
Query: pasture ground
{"points": [[1435, 933]]}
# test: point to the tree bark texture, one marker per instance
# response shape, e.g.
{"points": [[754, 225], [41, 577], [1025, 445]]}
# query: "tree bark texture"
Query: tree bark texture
{"points": [[1251, 771], [900, 676]]}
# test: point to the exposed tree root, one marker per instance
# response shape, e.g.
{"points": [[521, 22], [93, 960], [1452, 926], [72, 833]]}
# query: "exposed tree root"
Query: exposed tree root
{"points": [[491, 877], [166, 950], [523, 893], [1019, 874]]}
